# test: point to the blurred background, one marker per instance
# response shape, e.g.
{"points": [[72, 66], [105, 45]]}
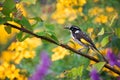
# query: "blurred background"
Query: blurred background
{"points": [[98, 18]]}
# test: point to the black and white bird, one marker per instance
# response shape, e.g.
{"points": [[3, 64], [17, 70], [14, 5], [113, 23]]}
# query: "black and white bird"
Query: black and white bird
{"points": [[82, 38]]}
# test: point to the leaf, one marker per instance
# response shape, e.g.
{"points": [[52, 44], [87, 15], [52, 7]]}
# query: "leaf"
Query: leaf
{"points": [[48, 34], [8, 7], [37, 19], [29, 1], [117, 32], [24, 22], [8, 29], [52, 35], [22, 37], [101, 32], [2, 20], [75, 72], [49, 27], [19, 36], [99, 66], [105, 41], [80, 70], [41, 33]]}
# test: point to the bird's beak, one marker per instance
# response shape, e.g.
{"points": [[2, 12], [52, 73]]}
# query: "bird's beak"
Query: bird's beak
{"points": [[67, 27]]}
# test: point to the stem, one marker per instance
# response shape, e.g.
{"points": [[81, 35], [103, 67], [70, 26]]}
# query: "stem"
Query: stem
{"points": [[62, 45]]}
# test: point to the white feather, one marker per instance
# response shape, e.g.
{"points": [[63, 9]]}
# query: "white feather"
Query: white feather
{"points": [[77, 31]]}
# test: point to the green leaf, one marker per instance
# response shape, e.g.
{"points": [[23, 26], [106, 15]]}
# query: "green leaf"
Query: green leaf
{"points": [[99, 66], [29, 1], [4, 20], [8, 7], [101, 32], [19, 36], [117, 32], [8, 29], [80, 70], [41, 33], [37, 19], [75, 72], [48, 34], [24, 22], [49, 27], [105, 41], [52, 35]]}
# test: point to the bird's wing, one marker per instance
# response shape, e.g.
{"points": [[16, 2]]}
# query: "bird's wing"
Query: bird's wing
{"points": [[83, 37]]}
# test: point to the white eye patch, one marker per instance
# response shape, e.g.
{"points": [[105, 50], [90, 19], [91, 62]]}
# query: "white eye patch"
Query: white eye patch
{"points": [[77, 31]]}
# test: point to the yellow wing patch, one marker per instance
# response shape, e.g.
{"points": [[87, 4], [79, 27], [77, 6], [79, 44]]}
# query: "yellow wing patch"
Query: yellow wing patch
{"points": [[84, 41]]}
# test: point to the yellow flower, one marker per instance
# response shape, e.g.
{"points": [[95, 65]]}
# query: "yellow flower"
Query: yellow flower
{"points": [[61, 21], [82, 2], [80, 9], [19, 50], [68, 9], [10, 71], [95, 11], [20, 6], [4, 38], [21, 77], [2, 73], [74, 45], [90, 30], [1, 8], [101, 19], [109, 9], [59, 53], [5, 54]]}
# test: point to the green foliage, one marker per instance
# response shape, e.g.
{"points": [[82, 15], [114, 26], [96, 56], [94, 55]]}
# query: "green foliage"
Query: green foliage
{"points": [[8, 7], [98, 66], [21, 36], [106, 34], [50, 27], [117, 32], [75, 72], [105, 41], [101, 32], [48, 34], [8, 29], [30, 1], [25, 23]]}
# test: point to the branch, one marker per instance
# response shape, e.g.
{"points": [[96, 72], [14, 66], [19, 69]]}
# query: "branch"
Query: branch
{"points": [[62, 45]]}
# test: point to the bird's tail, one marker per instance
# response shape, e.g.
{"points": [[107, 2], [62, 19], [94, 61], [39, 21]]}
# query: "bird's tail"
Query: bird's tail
{"points": [[94, 48]]}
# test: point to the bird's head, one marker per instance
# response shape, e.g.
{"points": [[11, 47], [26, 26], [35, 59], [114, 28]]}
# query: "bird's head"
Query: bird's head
{"points": [[72, 28]]}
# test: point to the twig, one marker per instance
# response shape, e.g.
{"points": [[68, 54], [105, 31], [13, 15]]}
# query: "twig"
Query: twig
{"points": [[62, 45]]}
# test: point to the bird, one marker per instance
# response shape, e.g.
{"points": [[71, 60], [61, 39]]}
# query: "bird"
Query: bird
{"points": [[82, 38]]}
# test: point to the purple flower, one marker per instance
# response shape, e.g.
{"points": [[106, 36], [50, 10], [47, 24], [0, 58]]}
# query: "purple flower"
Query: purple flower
{"points": [[112, 59], [42, 68], [118, 78], [94, 75]]}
